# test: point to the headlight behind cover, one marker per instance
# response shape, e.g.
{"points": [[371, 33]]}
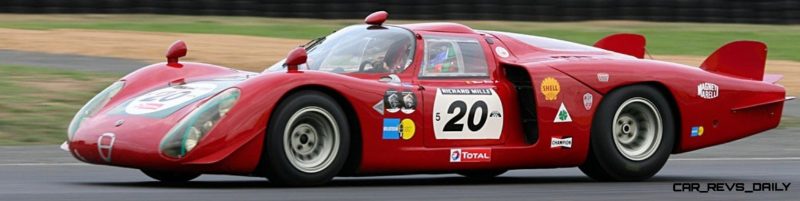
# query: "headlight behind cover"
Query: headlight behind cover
{"points": [[185, 135], [93, 106]]}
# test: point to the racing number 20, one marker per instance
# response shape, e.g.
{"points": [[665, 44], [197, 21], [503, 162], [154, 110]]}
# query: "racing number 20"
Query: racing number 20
{"points": [[167, 96], [453, 124]]}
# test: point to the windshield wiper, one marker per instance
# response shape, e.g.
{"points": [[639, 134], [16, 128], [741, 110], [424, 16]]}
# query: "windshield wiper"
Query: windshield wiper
{"points": [[314, 42]]}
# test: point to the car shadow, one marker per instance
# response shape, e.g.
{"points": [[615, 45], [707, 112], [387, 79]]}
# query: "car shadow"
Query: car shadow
{"points": [[394, 181]]}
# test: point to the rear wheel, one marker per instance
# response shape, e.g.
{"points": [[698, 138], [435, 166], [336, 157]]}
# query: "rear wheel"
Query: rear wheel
{"points": [[632, 135], [171, 177], [307, 140]]}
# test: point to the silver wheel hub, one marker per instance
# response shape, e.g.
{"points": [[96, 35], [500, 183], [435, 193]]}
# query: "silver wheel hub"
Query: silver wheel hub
{"points": [[637, 129], [311, 139]]}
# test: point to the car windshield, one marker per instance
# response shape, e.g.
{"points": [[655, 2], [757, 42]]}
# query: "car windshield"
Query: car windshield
{"points": [[359, 48]]}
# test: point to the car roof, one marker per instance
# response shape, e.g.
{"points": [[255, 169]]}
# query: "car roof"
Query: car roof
{"points": [[439, 27]]}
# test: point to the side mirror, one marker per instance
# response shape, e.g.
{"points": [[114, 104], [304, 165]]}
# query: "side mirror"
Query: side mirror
{"points": [[176, 50], [376, 18], [296, 57]]}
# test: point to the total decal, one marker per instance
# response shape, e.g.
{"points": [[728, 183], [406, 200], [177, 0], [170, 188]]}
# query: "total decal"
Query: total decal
{"points": [[470, 155], [707, 90], [170, 97], [467, 113], [395, 129]]}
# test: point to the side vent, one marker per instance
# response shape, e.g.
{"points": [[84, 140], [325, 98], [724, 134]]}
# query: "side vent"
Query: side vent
{"points": [[526, 99]]}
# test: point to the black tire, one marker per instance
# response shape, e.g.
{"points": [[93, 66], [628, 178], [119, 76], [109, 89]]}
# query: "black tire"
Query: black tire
{"points": [[279, 167], [606, 162], [170, 177], [482, 174]]}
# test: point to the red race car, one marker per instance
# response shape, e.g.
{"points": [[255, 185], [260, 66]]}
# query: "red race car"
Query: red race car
{"points": [[377, 99]]}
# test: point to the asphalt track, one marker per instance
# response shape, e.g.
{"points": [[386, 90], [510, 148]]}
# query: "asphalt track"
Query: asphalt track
{"points": [[47, 173]]}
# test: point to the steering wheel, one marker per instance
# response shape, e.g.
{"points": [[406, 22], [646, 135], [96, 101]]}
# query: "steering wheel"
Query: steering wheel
{"points": [[376, 66]]}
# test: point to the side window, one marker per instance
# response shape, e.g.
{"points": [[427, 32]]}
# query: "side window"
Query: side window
{"points": [[447, 56]]}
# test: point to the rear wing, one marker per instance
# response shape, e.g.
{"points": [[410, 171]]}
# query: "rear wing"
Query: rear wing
{"points": [[624, 43], [741, 59]]}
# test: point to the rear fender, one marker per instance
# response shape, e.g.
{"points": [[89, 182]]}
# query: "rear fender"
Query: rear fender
{"points": [[740, 107]]}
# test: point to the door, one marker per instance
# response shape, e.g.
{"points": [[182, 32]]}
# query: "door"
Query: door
{"points": [[460, 99]]}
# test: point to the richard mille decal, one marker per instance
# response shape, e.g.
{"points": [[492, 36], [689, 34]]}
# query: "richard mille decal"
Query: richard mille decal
{"points": [[467, 113]]}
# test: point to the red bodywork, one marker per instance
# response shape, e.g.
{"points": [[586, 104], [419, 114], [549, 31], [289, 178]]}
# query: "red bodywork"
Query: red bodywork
{"points": [[743, 107]]}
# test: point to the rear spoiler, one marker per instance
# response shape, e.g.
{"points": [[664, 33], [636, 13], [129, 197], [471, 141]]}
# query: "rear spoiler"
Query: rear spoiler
{"points": [[624, 43], [741, 59]]}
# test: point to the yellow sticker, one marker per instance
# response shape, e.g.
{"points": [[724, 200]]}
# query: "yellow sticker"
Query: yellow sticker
{"points": [[550, 88], [700, 131], [407, 129]]}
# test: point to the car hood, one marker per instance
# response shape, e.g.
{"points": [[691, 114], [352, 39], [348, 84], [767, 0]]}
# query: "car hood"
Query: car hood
{"points": [[164, 101]]}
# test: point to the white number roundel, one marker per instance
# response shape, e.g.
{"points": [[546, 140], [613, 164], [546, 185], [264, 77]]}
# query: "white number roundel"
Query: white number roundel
{"points": [[165, 98], [467, 113]]}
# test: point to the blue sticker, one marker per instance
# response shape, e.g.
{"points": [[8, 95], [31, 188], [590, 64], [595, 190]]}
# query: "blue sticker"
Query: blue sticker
{"points": [[697, 131], [390, 131]]}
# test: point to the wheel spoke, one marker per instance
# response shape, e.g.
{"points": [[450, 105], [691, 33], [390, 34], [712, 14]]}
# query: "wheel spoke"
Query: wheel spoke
{"points": [[313, 140], [639, 128]]}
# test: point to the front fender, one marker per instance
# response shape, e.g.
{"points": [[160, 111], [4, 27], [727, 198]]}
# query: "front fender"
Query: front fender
{"points": [[240, 135]]}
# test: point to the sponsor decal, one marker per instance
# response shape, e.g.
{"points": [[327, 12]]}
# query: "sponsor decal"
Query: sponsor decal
{"points": [[550, 88], [502, 52], [105, 144], [395, 129], [479, 82], [407, 129], [466, 91], [707, 90], [169, 97], [409, 102], [391, 129], [391, 101], [470, 155], [588, 101], [697, 131], [378, 107], [562, 115], [562, 142], [467, 113], [602, 77]]}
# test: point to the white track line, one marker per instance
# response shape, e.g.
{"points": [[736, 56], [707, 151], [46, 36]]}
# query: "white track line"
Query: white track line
{"points": [[738, 159], [672, 159], [44, 164]]}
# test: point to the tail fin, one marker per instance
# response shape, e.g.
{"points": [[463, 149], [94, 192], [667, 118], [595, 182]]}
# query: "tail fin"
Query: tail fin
{"points": [[625, 43], [743, 59]]}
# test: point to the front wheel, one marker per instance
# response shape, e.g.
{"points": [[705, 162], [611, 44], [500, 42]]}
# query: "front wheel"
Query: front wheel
{"points": [[307, 140], [170, 177], [632, 135]]}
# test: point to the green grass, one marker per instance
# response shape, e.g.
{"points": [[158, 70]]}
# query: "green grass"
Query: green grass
{"points": [[37, 104], [698, 39]]}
